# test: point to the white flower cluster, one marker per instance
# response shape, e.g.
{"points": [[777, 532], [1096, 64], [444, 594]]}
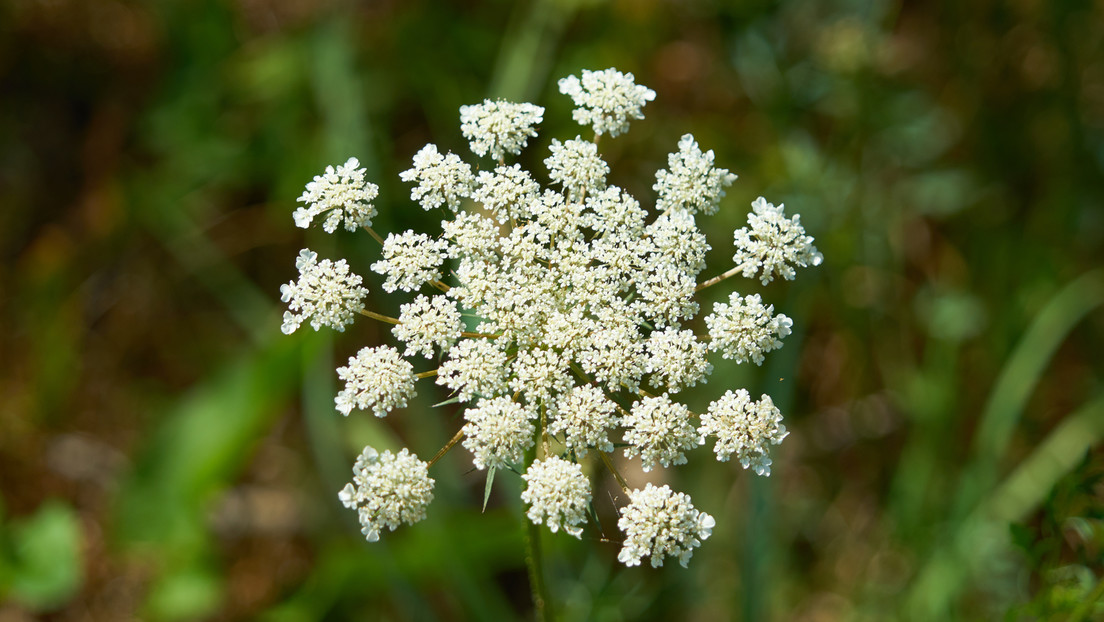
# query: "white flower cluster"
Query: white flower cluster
{"points": [[377, 378], [606, 100], [585, 312], [558, 494], [660, 431], [744, 428], [428, 322], [774, 244], [474, 367], [498, 432], [343, 193], [575, 165], [692, 183], [410, 260], [388, 490], [496, 128], [326, 293], [584, 417], [660, 523], [744, 329], [442, 179]]}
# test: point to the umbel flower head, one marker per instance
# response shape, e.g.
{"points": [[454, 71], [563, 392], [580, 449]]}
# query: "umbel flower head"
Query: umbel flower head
{"points": [[326, 293], [442, 179], [744, 428], [376, 378], [557, 493], [410, 260], [692, 183], [606, 100], [774, 244], [563, 319], [343, 193], [745, 329], [387, 490], [660, 523], [496, 128]]}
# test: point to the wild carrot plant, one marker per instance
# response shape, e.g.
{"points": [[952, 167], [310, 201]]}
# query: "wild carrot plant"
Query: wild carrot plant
{"points": [[578, 299]]}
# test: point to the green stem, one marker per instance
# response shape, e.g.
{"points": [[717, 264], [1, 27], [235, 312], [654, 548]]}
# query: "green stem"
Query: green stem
{"points": [[609, 465], [534, 561], [377, 316], [719, 278], [479, 335], [375, 236], [534, 558], [449, 445]]}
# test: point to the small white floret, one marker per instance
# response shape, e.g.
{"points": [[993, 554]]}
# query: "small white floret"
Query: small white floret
{"points": [[496, 128], [498, 432], [410, 260], [474, 368], [576, 165], [388, 490], [327, 294], [557, 493], [441, 179], [744, 428], [507, 192], [606, 100], [585, 416], [343, 193], [658, 523], [676, 359], [692, 183], [428, 322], [745, 329], [773, 244], [659, 431], [377, 378]]}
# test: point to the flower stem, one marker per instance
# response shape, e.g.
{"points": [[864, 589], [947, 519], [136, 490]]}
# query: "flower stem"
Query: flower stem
{"points": [[479, 335], [609, 465], [375, 236], [534, 559], [427, 374], [449, 445], [718, 279], [377, 316], [544, 430]]}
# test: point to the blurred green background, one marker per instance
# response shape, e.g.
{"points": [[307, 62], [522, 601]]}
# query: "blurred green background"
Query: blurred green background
{"points": [[167, 454]]}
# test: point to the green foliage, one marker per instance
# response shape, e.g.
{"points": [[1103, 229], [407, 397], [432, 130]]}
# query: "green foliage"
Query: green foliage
{"points": [[40, 558]]}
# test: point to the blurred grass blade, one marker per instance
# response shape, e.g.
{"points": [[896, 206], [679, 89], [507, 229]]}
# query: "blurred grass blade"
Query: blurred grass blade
{"points": [[528, 47], [977, 536], [1030, 483], [1019, 377], [981, 537], [201, 444]]}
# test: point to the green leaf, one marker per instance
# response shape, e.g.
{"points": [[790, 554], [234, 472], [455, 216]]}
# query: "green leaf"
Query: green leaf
{"points": [[189, 594], [47, 567], [487, 488], [451, 400]]}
